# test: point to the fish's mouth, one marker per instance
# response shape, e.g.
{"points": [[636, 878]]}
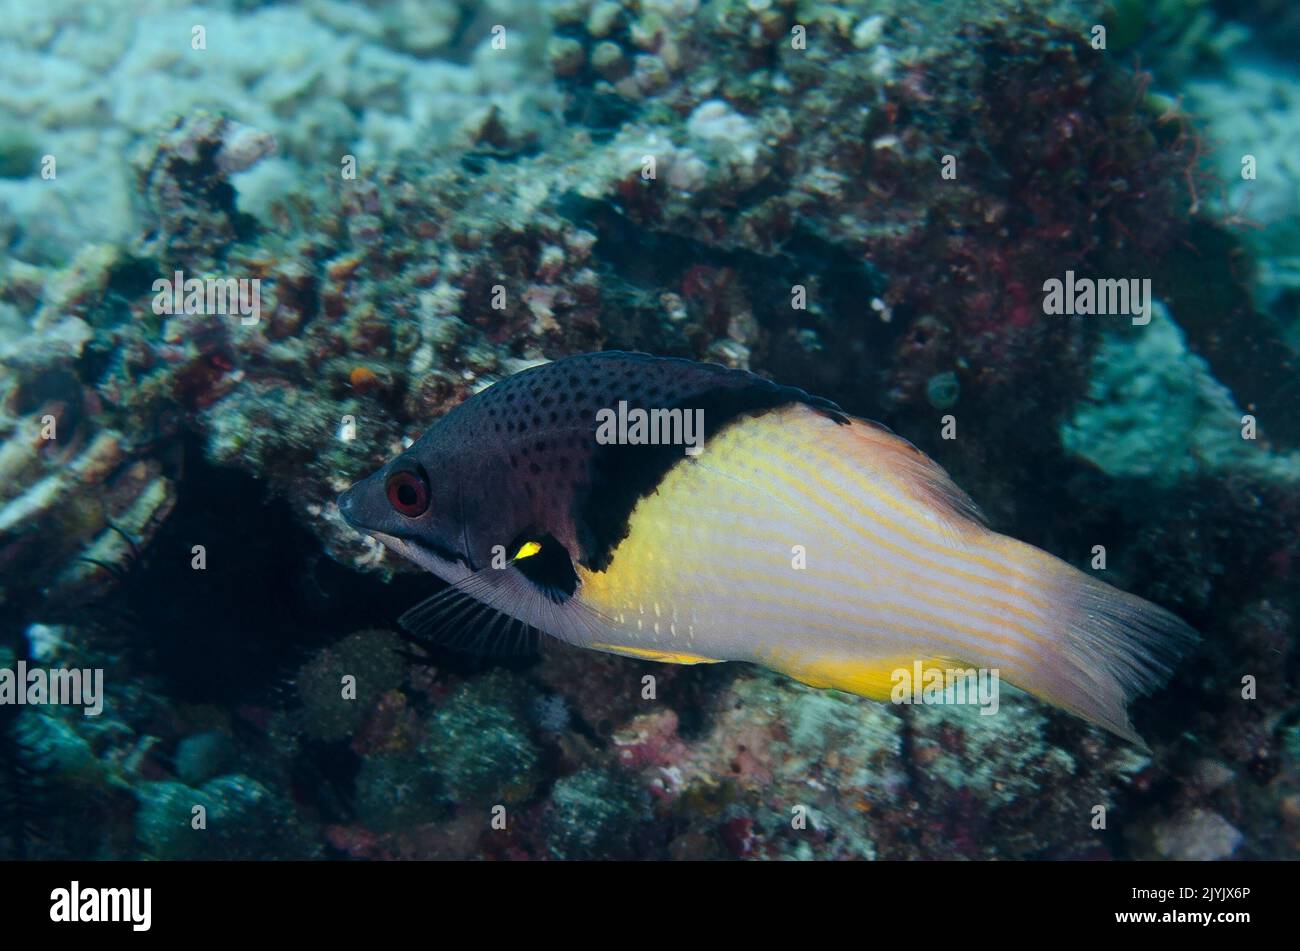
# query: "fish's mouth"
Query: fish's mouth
{"points": [[347, 503], [418, 550]]}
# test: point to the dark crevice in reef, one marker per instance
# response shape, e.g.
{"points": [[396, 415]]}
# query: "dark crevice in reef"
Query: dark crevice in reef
{"points": [[600, 114], [240, 627], [228, 632], [1247, 352]]}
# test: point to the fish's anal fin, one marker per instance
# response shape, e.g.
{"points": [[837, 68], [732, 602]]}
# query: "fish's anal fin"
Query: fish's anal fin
{"points": [[663, 657], [873, 678]]}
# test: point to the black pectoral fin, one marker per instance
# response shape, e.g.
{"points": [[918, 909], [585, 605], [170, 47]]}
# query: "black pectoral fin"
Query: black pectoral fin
{"points": [[546, 564], [538, 581], [458, 621]]}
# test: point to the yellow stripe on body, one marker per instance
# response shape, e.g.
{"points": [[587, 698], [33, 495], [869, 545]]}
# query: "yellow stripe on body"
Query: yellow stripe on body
{"points": [[934, 575], [911, 513], [965, 606], [726, 571], [712, 544], [822, 450], [975, 592]]}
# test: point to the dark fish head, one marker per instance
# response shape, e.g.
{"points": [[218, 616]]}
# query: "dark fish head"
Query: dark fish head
{"points": [[497, 472], [412, 506], [523, 464]]}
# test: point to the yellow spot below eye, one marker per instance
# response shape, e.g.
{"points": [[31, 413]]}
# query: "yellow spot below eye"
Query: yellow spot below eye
{"points": [[527, 550]]}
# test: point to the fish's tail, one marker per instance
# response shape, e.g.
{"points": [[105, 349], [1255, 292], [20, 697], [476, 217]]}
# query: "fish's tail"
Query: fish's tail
{"points": [[1101, 647]]}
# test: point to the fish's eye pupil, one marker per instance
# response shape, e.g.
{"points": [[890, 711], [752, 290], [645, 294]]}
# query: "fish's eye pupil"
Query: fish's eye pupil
{"points": [[408, 493]]}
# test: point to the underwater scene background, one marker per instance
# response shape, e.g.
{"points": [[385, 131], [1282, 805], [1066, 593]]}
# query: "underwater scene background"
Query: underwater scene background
{"points": [[401, 202]]}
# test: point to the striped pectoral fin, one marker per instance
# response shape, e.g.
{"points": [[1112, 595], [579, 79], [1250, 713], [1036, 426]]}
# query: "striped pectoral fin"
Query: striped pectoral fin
{"points": [[663, 657], [875, 678]]}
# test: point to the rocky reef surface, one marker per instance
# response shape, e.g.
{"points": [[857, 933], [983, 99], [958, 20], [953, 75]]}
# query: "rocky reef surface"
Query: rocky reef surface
{"points": [[860, 199]]}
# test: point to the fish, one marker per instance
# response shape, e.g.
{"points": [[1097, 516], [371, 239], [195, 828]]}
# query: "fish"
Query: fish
{"points": [[689, 513]]}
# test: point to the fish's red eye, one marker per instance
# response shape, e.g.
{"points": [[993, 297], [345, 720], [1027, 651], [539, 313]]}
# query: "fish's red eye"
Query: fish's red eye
{"points": [[408, 492]]}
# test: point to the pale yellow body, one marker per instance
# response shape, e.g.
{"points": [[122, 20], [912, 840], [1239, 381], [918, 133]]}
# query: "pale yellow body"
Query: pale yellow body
{"points": [[819, 550]]}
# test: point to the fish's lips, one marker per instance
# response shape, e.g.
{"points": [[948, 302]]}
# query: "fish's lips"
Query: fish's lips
{"points": [[349, 507]]}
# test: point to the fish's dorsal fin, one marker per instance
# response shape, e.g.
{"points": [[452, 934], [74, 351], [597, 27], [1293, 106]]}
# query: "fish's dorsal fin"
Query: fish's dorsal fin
{"points": [[917, 475]]}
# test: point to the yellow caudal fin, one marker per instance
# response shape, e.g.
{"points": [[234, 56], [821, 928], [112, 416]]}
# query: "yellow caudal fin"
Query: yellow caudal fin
{"points": [[1103, 646]]}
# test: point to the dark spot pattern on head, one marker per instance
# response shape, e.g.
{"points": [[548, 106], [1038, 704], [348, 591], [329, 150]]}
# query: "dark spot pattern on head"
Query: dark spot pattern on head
{"points": [[544, 427]]}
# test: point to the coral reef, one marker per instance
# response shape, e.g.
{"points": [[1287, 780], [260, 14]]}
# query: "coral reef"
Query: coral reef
{"points": [[861, 199], [479, 742], [341, 684]]}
